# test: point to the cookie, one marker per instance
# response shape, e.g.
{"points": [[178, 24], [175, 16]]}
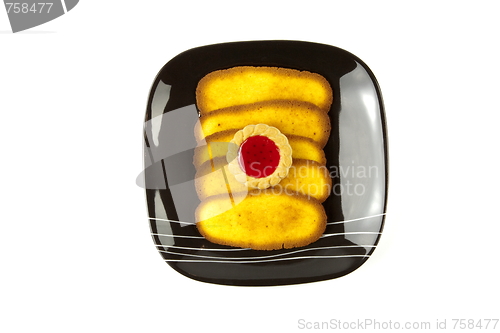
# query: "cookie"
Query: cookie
{"points": [[263, 220], [290, 117], [247, 85], [216, 144], [305, 177]]}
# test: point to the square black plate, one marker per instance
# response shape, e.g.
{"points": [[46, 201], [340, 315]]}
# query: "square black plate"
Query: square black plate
{"points": [[356, 158]]}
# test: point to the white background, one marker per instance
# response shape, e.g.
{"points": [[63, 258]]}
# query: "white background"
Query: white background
{"points": [[75, 249]]}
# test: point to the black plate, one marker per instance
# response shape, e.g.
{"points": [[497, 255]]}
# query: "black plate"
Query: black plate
{"points": [[356, 157]]}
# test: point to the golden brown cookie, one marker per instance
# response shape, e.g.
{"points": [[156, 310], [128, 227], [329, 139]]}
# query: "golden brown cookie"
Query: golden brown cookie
{"points": [[247, 84], [262, 220], [290, 117], [305, 177], [259, 156], [216, 146]]}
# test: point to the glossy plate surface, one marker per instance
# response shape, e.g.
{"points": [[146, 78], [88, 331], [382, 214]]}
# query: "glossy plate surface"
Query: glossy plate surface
{"points": [[356, 158]]}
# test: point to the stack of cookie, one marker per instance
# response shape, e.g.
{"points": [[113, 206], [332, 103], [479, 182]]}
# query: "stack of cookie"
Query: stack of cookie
{"points": [[243, 103]]}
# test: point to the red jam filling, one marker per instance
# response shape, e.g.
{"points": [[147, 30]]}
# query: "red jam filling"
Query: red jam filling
{"points": [[258, 156]]}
